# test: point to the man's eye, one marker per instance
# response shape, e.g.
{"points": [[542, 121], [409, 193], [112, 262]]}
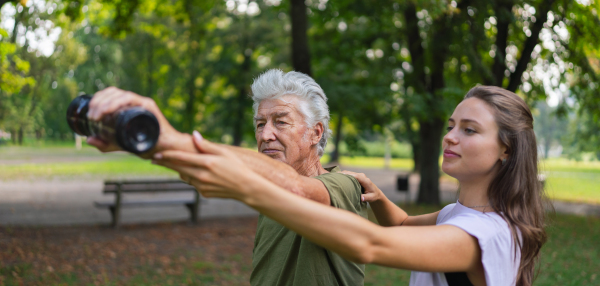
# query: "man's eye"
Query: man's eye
{"points": [[259, 125], [280, 122]]}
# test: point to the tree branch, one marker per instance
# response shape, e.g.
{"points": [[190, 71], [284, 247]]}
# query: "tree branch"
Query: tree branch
{"points": [[530, 43], [2, 2], [504, 17]]}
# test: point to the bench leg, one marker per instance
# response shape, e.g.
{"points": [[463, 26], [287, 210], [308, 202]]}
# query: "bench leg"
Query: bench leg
{"points": [[194, 208], [114, 217], [117, 208]]}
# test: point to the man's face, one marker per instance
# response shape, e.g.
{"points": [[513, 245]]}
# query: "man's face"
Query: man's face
{"points": [[281, 132]]}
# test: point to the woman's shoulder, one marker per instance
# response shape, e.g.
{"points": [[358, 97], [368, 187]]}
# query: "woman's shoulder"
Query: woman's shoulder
{"points": [[487, 227]]}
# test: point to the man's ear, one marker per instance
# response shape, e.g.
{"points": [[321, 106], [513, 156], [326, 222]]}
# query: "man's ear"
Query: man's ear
{"points": [[318, 133]]}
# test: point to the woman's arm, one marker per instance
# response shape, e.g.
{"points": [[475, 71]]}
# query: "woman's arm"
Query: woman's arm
{"points": [[428, 248], [387, 212]]}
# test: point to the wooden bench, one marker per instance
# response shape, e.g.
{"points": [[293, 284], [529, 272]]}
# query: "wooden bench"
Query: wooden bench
{"points": [[119, 188]]}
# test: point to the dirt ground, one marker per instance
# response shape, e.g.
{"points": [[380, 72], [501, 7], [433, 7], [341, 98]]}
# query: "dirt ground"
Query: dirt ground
{"points": [[215, 252]]}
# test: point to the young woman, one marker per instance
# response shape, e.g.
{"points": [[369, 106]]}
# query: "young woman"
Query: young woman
{"points": [[491, 236]]}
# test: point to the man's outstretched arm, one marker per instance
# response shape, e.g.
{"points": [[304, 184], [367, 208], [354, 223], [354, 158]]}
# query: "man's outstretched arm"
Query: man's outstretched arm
{"points": [[111, 99]]}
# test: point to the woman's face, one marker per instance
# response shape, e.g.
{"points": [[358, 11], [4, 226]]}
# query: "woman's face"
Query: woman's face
{"points": [[472, 149]]}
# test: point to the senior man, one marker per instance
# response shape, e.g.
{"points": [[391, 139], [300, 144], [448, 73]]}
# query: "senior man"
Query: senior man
{"points": [[291, 119]]}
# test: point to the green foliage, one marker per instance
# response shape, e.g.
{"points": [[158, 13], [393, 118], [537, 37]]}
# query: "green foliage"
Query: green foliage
{"points": [[197, 59], [13, 77]]}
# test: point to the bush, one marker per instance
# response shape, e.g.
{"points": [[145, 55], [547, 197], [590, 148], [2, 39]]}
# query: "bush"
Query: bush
{"points": [[375, 149]]}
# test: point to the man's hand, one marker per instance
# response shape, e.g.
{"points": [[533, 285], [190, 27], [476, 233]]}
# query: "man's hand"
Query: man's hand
{"points": [[112, 99]]}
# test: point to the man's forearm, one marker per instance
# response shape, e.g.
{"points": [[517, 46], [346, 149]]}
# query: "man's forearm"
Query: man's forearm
{"points": [[275, 171]]}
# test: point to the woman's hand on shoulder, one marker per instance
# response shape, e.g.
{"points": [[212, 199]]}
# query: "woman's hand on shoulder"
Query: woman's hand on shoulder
{"points": [[372, 192]]}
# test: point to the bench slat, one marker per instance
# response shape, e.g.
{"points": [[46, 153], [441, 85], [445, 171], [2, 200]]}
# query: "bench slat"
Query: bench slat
{"points": [[143, 182], [144, 203], [146, 190]]}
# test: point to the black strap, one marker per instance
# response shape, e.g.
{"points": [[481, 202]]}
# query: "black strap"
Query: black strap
{"points": [[457, 279]]}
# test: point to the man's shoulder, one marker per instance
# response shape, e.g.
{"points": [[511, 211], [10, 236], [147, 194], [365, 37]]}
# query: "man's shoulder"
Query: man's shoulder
{"points": [[339, 180], [344, 191]]}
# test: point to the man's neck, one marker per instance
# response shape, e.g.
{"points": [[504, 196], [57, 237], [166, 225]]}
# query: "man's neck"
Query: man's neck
{"points": [[310, 169]]}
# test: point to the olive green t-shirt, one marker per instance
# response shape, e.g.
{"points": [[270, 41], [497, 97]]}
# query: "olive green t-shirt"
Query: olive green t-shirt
{"points": [[283, 258]]}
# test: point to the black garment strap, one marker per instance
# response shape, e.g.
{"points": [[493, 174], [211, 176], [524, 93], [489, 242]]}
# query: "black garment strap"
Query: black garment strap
{"points": [[457, 279]]}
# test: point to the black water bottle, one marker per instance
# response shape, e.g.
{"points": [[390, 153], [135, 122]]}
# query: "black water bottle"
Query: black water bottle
{"points": [[134, 129]]}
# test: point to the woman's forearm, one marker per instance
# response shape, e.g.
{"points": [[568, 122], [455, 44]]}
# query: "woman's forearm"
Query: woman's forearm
{"points": [[388, 213]]}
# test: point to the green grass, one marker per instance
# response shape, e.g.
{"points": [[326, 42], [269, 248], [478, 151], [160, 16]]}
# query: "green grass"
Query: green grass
{"points": [[571, 256], [115, 168], [374, 162]]}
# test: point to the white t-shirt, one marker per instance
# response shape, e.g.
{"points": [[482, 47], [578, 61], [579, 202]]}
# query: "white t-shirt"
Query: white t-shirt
{"points": [[495, 241]]}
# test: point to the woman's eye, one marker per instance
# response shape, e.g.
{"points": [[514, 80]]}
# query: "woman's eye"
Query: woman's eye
{"points": [[449, 128], [469, 131]]}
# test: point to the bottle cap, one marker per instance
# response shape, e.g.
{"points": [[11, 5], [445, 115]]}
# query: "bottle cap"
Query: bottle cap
{"points": [[137, 130]]}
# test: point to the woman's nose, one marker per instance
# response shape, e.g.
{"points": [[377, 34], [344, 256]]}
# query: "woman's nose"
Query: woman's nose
{"points": [[450, 138]]}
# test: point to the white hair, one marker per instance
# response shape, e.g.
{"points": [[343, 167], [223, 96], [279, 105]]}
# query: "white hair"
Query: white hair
{"points": [[274, 83]]}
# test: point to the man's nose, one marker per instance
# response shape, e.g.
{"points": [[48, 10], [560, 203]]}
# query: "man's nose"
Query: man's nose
{"points": [[268, 133]]}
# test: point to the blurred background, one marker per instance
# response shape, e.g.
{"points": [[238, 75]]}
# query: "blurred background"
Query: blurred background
{"points": [[393, 72]]}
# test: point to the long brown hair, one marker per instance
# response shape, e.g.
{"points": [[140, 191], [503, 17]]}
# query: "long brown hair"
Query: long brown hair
{"points": [[515, 193]]}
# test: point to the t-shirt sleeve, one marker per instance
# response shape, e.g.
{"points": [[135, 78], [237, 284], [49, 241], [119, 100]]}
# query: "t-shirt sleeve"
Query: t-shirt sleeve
{"points": [[344, 192], [497, 247]]}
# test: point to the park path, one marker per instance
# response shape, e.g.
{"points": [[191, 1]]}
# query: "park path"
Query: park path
{"points": [[71, 202]]}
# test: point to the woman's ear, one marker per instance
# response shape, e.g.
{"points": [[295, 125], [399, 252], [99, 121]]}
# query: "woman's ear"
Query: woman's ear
{"points": [[503, 153]]}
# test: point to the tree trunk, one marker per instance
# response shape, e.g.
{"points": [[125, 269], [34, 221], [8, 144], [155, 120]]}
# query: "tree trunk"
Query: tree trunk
{"points": [[150, 58], [547, 142], [238, 132], [429, 188], [190, 105], [505, 16], [20, 136], [418, 78], [13, 136], [430, 131], [335, 154], [196, 35], [240, 104], [416, 150], [300, 49]]}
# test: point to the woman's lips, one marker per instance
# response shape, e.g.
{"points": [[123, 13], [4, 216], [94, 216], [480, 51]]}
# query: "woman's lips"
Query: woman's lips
{"points": [[450, 154]]}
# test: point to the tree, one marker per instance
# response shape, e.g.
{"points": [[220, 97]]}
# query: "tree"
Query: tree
{"points": [[470, 42]]}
